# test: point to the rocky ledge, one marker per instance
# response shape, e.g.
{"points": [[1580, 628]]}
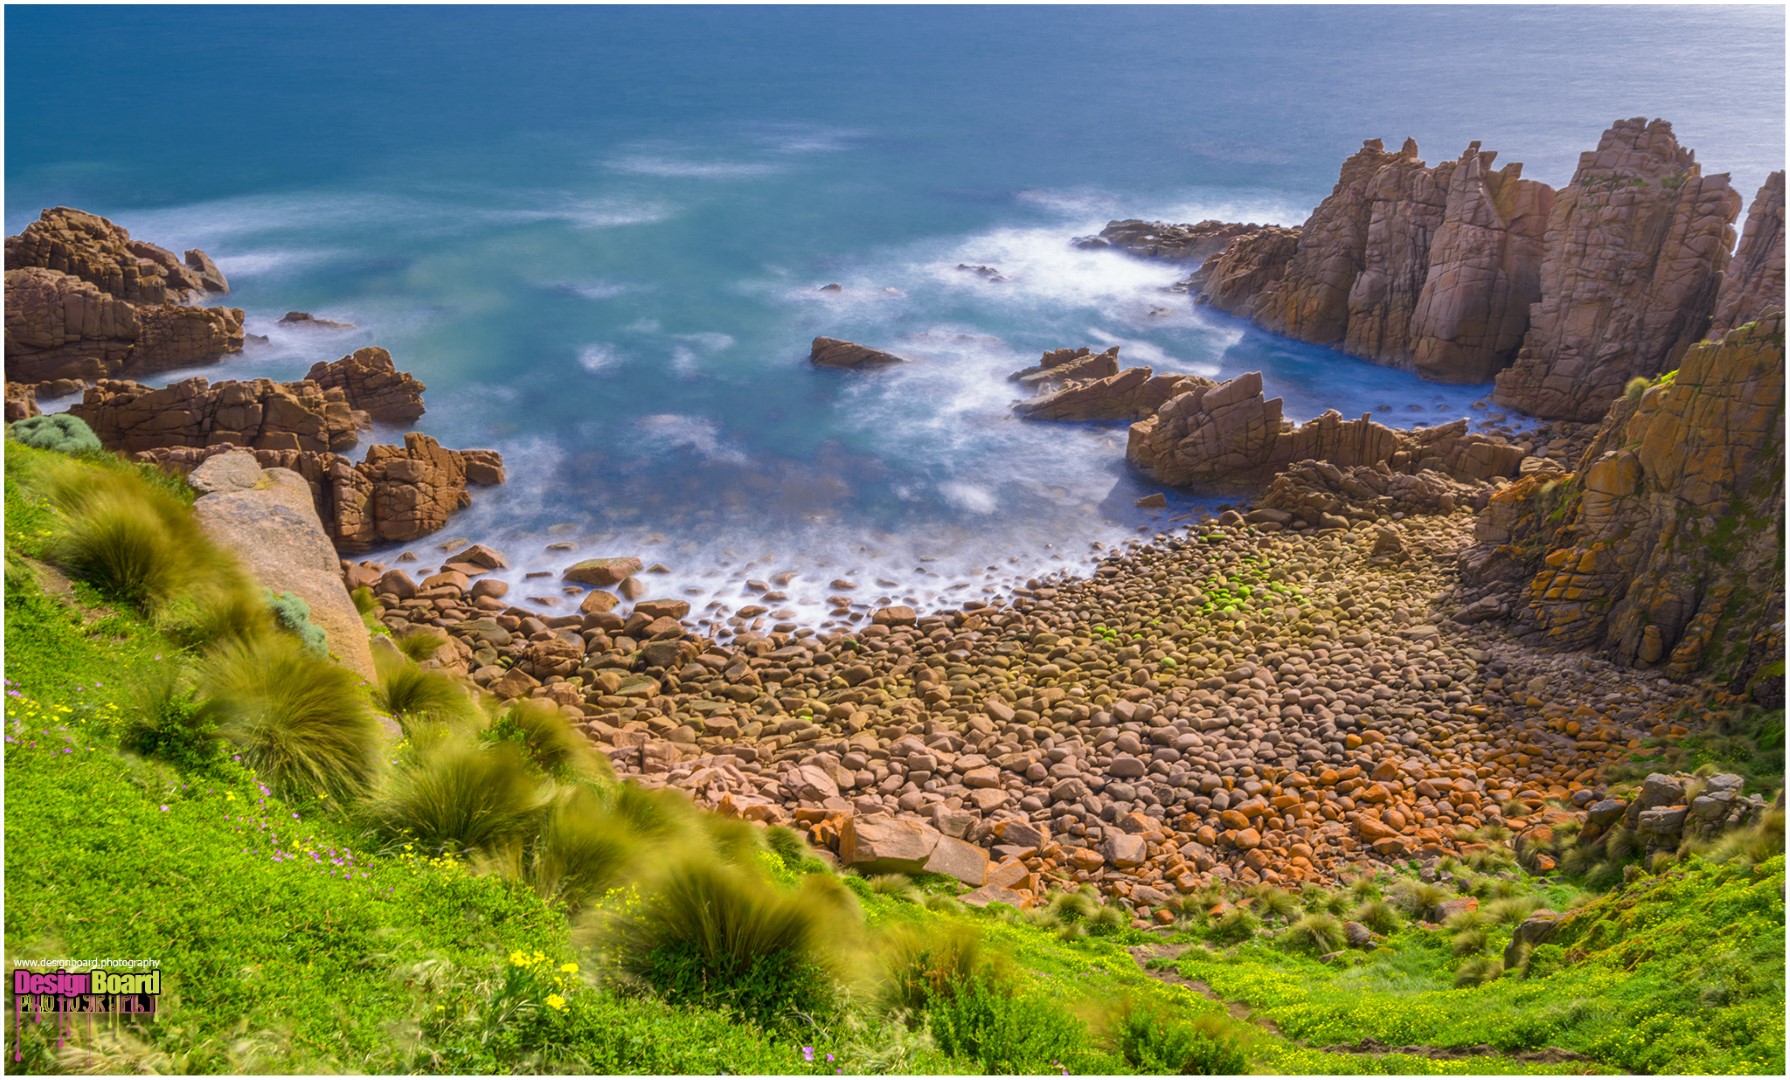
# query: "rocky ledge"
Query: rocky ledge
{"points": [[1161, 240], [1227, 437], [327, 410], [85, 301]]}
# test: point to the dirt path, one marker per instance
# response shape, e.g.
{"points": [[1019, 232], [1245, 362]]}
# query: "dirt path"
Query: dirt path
{"points": [[1146, 954]]}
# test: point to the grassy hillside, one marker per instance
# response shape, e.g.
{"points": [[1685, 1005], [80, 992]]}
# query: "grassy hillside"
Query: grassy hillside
{"points": [[382, 926]]}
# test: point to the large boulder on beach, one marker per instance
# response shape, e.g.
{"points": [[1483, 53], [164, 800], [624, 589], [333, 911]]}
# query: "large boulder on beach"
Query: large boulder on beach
{"points": [[884, 844], [601, 573], [834, 353], [266, 518], [1636, 247]]}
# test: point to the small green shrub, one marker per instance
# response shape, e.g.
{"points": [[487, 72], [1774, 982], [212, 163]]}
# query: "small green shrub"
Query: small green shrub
{"points": [[300, 721], [61, 432], [1544, 960], [1004, 1032], [458, 795], [122, 544], [292, 614], [1155, 1043], [166, 721], [1635, 388]]}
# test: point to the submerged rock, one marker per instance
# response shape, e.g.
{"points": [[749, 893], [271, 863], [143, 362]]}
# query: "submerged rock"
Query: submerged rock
{"points": [[832, 352]]}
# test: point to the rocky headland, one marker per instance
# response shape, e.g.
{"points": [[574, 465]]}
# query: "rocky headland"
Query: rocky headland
{"points": [[1462, 271], [1406, 638]]}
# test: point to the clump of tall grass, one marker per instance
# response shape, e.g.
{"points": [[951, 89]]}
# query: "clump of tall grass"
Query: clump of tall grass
{"points": [[546, 739], [299, 720], [582, 850], [459, 795], [717, 935], [899, 886], [1419, 899], [418, 699], [1377, 915], [1318, 932], [915, 966], [137, 543], [1273, 902], [419, 645], [1478, 970]]}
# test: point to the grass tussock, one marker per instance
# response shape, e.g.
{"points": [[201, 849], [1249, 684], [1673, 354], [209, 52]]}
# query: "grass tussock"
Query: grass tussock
{"points": [[299, 721], [458, 795], [545, 737], [915, 967], [419, 699], [717, 935]]}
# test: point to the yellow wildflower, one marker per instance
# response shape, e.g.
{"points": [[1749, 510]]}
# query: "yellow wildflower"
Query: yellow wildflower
{"points": [[518, 959], [569, 968], [554, 1001]]}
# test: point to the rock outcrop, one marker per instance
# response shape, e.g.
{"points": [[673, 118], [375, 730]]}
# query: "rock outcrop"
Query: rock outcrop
{"points": [[259, 414], [1161, 240], [372, 384], [833, 353], [1664, 546], [21, 401], [84, 301], [1129, 395], [1227, 437], [1754, 280], [1484, 271], [266, 518], [1247, 269], [89, 247], [1403, 264], [1318, 494], [1062, 365], [1636, 246], [398, 493]]}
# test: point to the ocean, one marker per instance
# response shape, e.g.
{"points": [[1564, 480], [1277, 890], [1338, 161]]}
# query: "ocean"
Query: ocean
{"points": [[600, 235]]}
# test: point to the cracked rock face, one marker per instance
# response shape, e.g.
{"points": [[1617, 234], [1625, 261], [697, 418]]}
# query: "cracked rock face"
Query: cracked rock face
{"points": [[372, 384], [1636, 246], [1665, 548], [1403, 264], [259, 414], [1755, 277]]}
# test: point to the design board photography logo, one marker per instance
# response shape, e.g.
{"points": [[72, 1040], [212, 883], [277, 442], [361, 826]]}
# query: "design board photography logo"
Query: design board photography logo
{"points": [[70, 991]]}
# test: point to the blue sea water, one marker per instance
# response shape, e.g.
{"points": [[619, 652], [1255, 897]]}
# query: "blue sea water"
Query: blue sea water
{"points": [[599, 234]]}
